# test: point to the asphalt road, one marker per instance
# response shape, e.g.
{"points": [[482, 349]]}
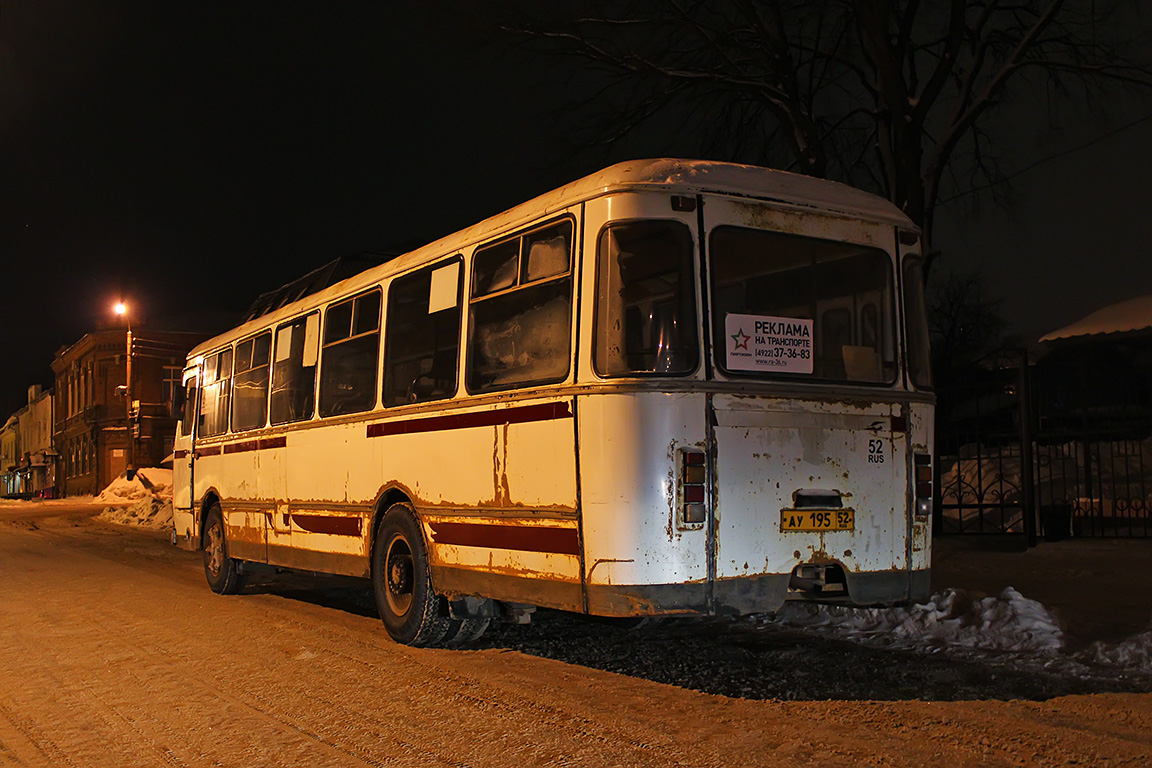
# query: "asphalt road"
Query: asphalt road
{"points": [[113, 652]]}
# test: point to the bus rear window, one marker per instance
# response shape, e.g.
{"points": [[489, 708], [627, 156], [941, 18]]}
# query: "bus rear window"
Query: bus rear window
{"points": [[793, 306]]}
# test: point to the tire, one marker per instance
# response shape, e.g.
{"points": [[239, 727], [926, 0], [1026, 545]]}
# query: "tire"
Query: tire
{"points": [[222, 572], [469, 631], [408, 607]]}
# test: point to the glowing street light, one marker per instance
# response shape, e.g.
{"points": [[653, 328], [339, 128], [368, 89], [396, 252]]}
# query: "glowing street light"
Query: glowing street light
{"points": [[122, 309]]}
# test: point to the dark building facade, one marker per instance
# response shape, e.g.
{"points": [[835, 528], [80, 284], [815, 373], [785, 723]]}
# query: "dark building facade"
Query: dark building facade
{"points": [[92, 420]]}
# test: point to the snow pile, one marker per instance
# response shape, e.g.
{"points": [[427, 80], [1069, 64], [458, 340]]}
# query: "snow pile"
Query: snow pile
{"points": [[145, 500], [1135, 653], [950, 619]]}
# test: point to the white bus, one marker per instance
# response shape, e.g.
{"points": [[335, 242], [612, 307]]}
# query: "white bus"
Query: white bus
{"points": [[669, 388]]}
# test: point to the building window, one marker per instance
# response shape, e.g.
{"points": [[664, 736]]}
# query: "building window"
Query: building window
{"points": [[169, 384]]}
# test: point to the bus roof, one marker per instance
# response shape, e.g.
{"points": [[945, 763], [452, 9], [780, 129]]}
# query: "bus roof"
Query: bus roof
{"points": [[791, 190]]}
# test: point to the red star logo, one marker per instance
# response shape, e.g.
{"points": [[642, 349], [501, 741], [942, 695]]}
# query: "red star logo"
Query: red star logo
{"points": [[741, 339]]}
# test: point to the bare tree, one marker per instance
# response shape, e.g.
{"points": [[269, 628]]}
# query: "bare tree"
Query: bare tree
{"points": [[966, 325], [889, 95]]}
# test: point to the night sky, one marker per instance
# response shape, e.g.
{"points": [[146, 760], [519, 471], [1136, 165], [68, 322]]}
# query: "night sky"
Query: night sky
{"points": [[190, 155]]}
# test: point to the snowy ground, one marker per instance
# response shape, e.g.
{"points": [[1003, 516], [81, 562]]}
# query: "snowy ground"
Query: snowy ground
{"points": [[955, 624]]}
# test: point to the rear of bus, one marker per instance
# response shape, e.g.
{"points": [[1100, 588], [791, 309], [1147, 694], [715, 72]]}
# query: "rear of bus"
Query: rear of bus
{"points": [[764, 427]]}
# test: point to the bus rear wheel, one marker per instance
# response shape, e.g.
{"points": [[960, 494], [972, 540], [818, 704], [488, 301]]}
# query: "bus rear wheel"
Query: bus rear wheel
{"points": [[408, 607], [222, 571]]}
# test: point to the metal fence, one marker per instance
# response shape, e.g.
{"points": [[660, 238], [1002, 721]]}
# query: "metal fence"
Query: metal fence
{"points": [[1057, 450]]}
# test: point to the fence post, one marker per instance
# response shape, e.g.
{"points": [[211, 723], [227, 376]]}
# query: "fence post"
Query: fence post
{"points": [[1027, 469]]}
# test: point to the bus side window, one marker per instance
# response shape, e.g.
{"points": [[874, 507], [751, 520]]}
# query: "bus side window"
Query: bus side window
{"points": [[250, 384], [351, 355], [217, 394], [422, 336], [294, 370], [520, 320], [645, 302], [190, 408]]}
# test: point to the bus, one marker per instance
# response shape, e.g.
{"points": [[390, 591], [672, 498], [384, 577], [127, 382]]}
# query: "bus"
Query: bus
{"points": [[671, 388]]}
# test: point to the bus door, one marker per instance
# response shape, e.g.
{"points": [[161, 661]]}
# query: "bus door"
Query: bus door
{"points": [[183, 447], [809, 468]]}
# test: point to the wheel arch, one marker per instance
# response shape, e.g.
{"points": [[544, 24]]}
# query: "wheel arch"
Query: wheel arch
{"points": [[389, 496], [210, 497]]}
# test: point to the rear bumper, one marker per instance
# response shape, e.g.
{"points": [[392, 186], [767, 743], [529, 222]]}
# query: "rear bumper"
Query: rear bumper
{"points": [[751, 594]]}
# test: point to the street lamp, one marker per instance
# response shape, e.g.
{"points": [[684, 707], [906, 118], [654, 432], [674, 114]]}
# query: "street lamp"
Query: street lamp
{"points": [[122, 309]]}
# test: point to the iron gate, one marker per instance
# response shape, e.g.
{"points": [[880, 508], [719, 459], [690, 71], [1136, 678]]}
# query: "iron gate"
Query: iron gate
{"points": [[1058, 449]]}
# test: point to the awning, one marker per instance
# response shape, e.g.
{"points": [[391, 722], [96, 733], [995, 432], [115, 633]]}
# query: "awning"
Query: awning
{"points": [[1123, 317]]}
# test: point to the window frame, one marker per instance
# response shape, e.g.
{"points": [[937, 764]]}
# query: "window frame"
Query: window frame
{"points": [[717, 321], [693, 289], [462, 302], [267, 385], [324, 345], [571, 274], [230, 349], [303, 316]]}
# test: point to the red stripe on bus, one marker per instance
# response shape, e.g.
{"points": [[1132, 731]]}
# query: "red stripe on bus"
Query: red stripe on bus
{"points": [[248, 445], [520, 415], [337, 526], [523, 538]]}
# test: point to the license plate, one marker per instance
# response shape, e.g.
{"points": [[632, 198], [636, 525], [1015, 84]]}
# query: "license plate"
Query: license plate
{"points": [[817, 520]]}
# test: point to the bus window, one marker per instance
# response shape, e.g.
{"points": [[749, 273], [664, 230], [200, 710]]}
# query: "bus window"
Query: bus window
{"points": [[187, 420], [520, 316], [351, 355], [645, 303], [294, 370], [250, 384], [777, 276], [216, 394], [422, 336]]}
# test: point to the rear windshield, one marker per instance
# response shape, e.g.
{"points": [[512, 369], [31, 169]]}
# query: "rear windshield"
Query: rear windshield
{"points": [[799, 307]]}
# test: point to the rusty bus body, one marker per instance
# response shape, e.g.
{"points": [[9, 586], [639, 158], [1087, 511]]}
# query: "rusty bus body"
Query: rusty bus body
{"points": [[672, 387]]}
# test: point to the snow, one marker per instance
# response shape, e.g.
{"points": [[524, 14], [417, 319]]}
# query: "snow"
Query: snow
{"points": [[145, 500], [1122, 317], [1135, 653], [70, 502], [949, 620], [956, 623]]}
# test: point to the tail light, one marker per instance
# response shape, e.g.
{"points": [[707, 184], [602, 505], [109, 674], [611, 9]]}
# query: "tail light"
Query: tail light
{"points": [[693, 489], [923, 480]]}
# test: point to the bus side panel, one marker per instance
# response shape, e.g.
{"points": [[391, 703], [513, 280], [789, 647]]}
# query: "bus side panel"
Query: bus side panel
{"points": [[234, 475], [921, 432], [638, 559], [497, 502]]}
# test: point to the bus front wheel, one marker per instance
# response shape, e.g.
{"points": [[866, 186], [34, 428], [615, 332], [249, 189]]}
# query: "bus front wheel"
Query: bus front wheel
{"points": [[222, 571], [408, 606]]}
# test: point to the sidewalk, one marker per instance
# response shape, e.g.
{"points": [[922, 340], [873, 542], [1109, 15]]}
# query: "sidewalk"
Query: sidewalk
{"points": [[1099, 589]]}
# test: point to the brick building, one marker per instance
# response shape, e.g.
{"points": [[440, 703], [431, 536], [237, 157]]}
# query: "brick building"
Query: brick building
{"points": [[91, 414]]}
